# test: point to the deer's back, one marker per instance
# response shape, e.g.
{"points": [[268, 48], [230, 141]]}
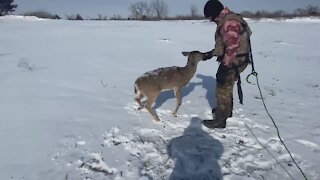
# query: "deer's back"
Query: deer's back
{"points": [[161, 79]]}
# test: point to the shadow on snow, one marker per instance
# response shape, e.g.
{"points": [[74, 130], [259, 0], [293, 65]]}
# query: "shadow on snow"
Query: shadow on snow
{"points": [[208, 83], [196, 154]]}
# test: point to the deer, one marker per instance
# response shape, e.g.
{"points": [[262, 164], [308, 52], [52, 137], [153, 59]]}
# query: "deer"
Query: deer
{"points": [[152, 83]]}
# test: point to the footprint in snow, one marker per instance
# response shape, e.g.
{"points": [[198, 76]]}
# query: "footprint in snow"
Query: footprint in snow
{"points": [[313, 146], [165, 40], [132, 108]]}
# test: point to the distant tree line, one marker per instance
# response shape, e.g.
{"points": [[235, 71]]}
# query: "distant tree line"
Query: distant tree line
{"points": [[158, 10], [300, 12]]}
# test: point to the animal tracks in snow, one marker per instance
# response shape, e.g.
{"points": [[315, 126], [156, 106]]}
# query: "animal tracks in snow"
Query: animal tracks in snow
{"points": [[314, 147], [180, 149], [239, 155]]}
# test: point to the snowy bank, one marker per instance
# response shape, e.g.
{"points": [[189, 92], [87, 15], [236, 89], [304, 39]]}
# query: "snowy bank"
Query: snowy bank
{"points": [[20, 18]]}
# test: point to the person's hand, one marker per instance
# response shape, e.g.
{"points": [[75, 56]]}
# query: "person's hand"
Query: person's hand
{"points": [[208, 55]]}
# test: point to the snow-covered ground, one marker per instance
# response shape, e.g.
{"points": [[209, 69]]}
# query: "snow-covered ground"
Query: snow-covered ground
{"points": [[67, 108]]}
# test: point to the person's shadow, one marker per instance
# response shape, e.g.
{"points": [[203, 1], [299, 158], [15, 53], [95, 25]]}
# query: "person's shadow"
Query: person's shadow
{"points": [[208, 83], [196, 154]]}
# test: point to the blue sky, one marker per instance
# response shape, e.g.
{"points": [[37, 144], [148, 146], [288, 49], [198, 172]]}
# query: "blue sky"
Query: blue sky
{"points": [[91, 8]]}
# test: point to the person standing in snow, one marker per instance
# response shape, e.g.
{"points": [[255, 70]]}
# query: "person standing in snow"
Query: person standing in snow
{"points": [[233, 51]]}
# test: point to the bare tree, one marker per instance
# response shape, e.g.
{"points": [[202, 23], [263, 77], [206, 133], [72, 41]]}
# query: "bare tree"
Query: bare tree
{"points": [[300, 12], [139, 10], [193, 10], [6, 6], [313, 10], [74, 17], [279, 13], [159, 8], [247, 14]]}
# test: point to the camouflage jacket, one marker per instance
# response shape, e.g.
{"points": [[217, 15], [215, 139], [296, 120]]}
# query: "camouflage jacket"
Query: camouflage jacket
{"points": [[232, 37]]}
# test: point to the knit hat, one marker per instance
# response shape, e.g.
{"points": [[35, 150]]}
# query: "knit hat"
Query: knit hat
{"points": [[212, 9]]}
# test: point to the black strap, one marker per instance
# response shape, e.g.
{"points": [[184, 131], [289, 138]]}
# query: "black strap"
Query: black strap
{"points": [[253, 72], [237, 73], [251, 57], [240, 93]]}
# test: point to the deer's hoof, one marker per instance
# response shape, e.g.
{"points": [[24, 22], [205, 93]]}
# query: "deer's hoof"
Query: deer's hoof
{"points": [[175, 114]]}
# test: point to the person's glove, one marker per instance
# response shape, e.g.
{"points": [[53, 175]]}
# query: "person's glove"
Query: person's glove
{"points": [[208, 55]]}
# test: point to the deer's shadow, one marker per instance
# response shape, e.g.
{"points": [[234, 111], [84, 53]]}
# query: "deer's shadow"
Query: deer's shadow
{"points": [[169, 94], [208, 83]]}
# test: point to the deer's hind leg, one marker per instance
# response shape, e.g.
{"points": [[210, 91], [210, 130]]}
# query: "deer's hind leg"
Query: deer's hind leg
{"points": [[151, 98]]}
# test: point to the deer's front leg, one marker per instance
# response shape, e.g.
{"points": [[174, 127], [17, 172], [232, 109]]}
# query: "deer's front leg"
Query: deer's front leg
{"points": [[177, 92], [139, 96]]}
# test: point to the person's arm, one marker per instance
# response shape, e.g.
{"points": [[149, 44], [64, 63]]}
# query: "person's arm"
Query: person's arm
{"points": [[208, 55], [230, 33]]}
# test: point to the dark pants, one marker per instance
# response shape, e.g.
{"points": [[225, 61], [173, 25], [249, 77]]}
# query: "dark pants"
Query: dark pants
{"points": [[226, 78]]}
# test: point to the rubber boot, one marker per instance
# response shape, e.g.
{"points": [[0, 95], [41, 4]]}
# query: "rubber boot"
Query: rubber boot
{"points": [[212, 124], [218, 122]]}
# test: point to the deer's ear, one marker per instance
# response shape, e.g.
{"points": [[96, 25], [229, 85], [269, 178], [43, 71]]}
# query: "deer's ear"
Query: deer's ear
{"points": [[186, 53]]}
